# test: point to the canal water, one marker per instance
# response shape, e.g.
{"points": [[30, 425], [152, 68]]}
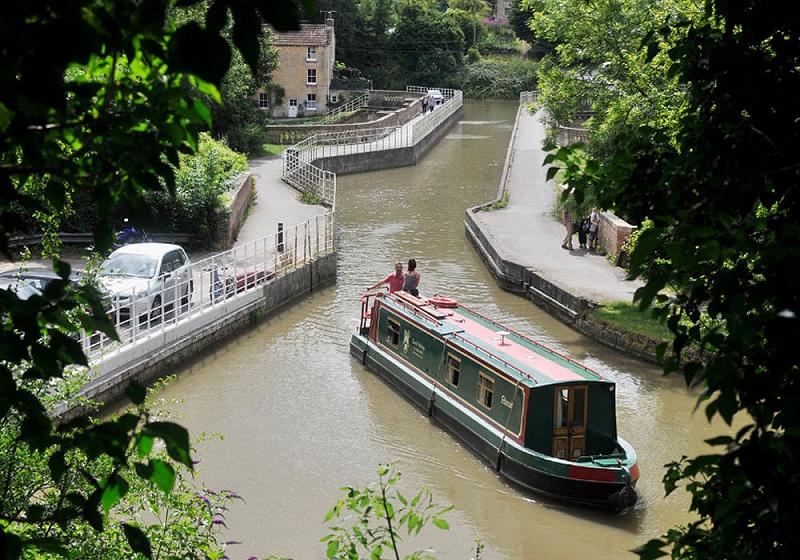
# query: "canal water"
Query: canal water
{"points": [[301, 418]]}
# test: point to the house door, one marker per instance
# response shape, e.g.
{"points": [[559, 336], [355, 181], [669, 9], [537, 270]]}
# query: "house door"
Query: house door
{"points": [[293, 107], [569, 422]]}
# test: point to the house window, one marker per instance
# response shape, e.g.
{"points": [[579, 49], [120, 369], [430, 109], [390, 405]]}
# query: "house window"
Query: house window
{"points": [[485, 390], [312, 54], [334, 98], [394, 332], [453, 370], [263, 100], [293, 103], [312, 76], [311, 101]]}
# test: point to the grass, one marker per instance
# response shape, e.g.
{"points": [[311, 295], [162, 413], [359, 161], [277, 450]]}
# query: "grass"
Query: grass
{"points": [[628, 317], [273, 149], [498, 204], [310, 198]]}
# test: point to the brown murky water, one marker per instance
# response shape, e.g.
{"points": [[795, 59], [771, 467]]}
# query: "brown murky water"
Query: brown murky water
{"points": [[300, 418]]}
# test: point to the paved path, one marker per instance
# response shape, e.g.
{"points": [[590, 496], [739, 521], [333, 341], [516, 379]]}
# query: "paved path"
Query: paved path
{"points": [[526, 233], [275, 202]]}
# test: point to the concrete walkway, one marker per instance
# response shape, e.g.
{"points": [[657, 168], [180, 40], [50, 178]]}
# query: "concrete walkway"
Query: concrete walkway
{"points": [[526, 233], [275, 202]]}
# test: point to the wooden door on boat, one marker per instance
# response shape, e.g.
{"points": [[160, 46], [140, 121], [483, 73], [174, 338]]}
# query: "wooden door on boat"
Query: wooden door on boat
{"points": [[569, 422]]}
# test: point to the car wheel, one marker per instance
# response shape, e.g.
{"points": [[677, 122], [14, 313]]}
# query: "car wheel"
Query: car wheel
{"points": [[156, 309]]}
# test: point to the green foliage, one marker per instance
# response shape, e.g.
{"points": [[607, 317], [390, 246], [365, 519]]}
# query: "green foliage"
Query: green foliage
{"points": [[377, 517], [521, 16], [399, 43], [499, 204], [309, 198], [499, 78], [716, 175], [499, 39], [600, 67], [629, 317], [200, 181], [95, 106]]}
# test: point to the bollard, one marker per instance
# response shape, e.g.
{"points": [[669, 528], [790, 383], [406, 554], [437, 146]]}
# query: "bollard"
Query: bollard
{"points": [[280, 237]]}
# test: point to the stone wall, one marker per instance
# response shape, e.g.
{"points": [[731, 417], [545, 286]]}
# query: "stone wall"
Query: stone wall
{"points": [[193, 338], [231, 219], [613, 232], [291, 134], [386, 159]]}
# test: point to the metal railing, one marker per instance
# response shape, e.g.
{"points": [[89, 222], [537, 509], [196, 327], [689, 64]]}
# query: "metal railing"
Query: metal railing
{"points": [[299, 169], [528, 96], [446, 92], [432, 120], [183, 295], [352, 105]]}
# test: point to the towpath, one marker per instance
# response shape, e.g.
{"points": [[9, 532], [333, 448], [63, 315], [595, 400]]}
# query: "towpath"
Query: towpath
{"points": [[525, 232]]}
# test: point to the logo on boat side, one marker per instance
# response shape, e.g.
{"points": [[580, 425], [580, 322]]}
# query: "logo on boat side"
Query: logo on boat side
{"points": [[505, 402]]}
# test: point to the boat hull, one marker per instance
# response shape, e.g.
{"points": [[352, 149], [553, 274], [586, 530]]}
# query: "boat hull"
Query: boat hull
{"points": [[521, 466]]}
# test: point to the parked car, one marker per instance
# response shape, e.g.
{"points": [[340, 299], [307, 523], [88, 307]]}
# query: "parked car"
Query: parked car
{"points": [[39, 278], [145, 279], [23, 288], [436, 97]]}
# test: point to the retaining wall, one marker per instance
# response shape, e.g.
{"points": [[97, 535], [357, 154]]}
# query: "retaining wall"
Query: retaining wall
{"points": [[384, 159], [170, 348], [232, 218], [290, 134]]}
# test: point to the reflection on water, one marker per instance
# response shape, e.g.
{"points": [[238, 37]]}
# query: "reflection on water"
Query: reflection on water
{"points": [[301, 418]]}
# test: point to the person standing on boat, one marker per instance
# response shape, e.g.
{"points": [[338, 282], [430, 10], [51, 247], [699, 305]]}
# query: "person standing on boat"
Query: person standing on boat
{"points": [[395, 279], [411, 281]]}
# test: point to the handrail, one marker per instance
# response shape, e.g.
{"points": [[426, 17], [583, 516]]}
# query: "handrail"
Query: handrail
{"points": [[498, 358], [532, 341], [352, 105]]}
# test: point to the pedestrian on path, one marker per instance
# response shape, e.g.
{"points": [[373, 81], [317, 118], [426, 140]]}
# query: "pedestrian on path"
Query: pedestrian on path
{"points": [[395, 279], [571, 226], [583, 231], [411, 281], [594, 226]]}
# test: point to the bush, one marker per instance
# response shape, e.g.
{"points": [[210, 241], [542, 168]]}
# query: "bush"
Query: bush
{"points": [[201, 180], [499, 78]]}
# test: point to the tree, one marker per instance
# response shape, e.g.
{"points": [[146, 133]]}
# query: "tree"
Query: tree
{"points": [[720, 185], [600, 67], [93, 100], [521, 17]]}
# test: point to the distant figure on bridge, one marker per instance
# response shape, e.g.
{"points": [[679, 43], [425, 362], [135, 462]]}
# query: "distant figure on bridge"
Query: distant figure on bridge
{"points": [[411, 281], [395, 279], [571, 225]]}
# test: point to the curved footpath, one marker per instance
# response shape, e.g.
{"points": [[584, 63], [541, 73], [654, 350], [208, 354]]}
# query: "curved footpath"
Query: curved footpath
{"points": [[521, 245]]}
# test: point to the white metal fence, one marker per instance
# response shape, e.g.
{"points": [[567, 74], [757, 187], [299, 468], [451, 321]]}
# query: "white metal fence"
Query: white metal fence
{"points": [[300, 171], [352, 105], [446, 92], [528, 96], [432, 120], [183, 294]]}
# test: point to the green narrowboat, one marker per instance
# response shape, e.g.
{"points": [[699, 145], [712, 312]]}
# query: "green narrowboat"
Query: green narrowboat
{"points": [[539, 418]]}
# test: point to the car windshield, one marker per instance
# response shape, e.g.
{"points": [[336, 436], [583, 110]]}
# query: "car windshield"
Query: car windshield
{"points": [[128, 264]]}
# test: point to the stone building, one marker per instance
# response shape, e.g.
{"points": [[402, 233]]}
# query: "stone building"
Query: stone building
{"points": [[306, 59]]}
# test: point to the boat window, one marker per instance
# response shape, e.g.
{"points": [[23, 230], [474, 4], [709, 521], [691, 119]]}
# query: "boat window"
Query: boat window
{"points": [[394, 332], [485, 390], [453, 370], [562, 408], [579, 406]]}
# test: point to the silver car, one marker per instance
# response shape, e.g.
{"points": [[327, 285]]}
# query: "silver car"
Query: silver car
{"points": [[145, 279]]}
